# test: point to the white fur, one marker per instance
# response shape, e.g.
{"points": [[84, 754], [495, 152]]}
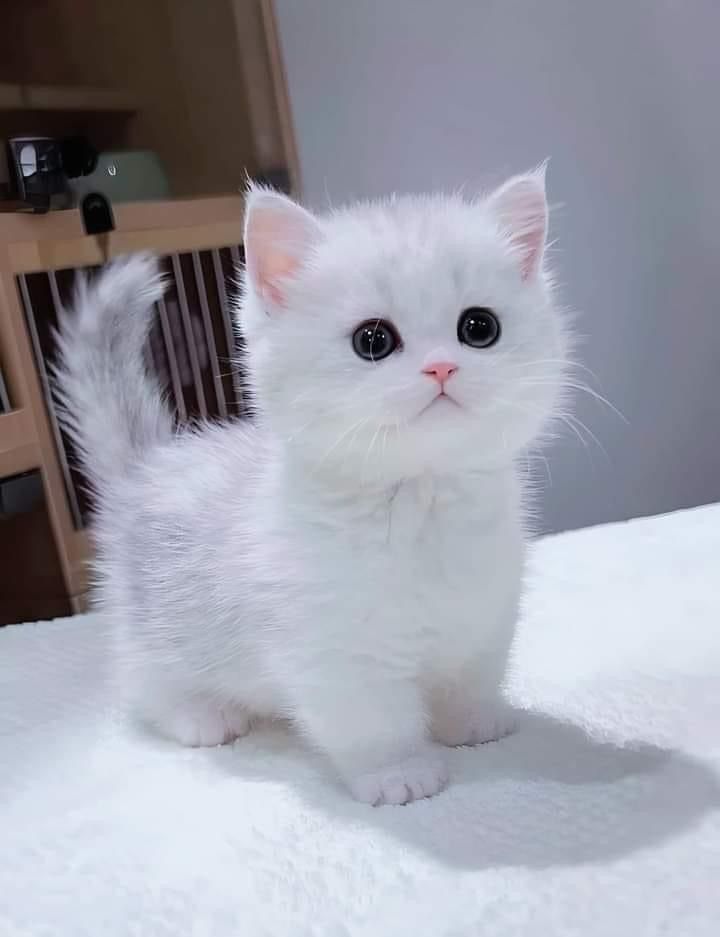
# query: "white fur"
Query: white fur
{"points": [[345, 560]]}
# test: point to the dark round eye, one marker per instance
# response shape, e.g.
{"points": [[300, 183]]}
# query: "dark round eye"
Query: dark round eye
{"points": [[375, 340], [478, 327]]}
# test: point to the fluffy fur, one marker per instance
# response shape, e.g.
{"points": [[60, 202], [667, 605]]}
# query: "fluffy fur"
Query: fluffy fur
{"points": [[352, 558]]}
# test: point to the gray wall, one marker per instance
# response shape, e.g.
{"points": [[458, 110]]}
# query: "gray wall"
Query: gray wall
{"points": [[624, 96]]}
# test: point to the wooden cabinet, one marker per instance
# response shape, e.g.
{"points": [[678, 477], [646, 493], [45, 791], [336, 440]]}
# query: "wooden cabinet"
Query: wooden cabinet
{"points": [[199, 82]]}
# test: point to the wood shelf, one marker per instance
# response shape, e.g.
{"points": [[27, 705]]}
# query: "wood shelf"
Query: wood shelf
{"points": [[65, 98], [56, 240]]}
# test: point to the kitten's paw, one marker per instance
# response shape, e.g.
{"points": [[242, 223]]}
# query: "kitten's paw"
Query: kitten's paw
{"points": [[237, 720], [412, 779], [206, 725], [485, 722]]}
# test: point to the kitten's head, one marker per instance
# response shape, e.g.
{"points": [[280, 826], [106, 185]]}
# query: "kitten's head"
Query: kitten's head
{"points": [[409, 335]]}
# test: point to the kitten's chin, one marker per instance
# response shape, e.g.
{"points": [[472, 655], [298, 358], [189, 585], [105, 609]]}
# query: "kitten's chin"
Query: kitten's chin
{"points": [[444, 438]]}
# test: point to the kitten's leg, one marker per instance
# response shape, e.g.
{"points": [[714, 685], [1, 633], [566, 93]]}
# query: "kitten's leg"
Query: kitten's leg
{"points": [[375, 733], [202, 721], [466, 705]]}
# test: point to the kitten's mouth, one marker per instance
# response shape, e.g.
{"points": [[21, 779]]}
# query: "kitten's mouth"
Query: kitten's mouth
{"points": [[441, 399]]}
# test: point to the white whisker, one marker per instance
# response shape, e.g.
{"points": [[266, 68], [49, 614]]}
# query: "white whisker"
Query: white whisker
{"points": [[353, 428], [584, 388]]}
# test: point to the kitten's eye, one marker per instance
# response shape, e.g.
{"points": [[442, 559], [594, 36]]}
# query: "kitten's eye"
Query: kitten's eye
{"points": [[375, 340], [478, 327]]}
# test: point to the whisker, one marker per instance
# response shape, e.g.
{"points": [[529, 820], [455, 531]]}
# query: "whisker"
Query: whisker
{"points": [[570, 418], [572, 422], [370, 447], [349, 446], [574, 385], [354, 427], [567, 364]]}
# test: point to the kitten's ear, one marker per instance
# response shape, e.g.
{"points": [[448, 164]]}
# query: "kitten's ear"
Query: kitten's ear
{"points": [[520, 208], [279, 237]]}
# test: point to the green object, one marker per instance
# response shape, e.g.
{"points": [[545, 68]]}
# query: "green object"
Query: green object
{"points": [[125, 176]]}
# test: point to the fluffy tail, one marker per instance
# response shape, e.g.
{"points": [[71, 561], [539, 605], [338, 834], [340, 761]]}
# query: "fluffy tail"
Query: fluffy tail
{"points": [[111, 407]]}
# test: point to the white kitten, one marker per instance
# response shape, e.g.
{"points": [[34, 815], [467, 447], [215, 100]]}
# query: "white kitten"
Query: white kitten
{"points": [[353, 558]]}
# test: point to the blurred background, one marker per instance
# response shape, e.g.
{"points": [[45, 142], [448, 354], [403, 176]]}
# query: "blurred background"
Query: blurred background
{"points": [[411, 95], [135, 126]]}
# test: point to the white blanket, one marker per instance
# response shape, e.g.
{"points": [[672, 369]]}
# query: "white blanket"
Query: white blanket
{"points": [[599, 817]]}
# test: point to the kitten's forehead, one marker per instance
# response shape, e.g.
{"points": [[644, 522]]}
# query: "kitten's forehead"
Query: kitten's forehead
{"points": [[415, 224], [410, 253]]}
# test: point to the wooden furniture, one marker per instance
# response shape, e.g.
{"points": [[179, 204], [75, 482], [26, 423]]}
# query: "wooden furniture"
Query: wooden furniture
{"points": [[200, 82], [200, 239]]}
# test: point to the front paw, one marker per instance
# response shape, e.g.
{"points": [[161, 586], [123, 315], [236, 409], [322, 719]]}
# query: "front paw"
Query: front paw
{"points": [[201, 724], [473, 725], [412, 779]]}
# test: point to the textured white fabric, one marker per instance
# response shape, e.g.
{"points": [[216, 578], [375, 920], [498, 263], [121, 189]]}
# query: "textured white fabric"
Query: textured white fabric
{"points": [[599, 817]]}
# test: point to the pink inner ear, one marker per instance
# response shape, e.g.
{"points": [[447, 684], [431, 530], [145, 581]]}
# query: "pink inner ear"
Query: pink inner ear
{"points": [[271, 276], [279, 235], [521, 208]]}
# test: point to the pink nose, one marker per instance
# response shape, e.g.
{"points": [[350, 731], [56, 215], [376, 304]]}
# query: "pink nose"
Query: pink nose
{"points": [[440, 371]]}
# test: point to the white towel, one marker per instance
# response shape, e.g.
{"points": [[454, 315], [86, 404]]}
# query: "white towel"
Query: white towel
{"points": [[599, 817]]}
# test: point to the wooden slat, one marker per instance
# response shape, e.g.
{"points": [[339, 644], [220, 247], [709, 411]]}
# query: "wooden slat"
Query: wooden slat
{"points": [[16, 429], [214, 364], [57, 241], [175, 381], [260, 77], [80, 551], [19, 460], [280, 88], [187, 328], [19, 449], [33, 256], [230, 337], [44, 376], [27, 395], [129, 216]]}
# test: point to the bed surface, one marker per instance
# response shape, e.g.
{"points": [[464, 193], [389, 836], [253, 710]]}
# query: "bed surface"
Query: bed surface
{"points": [[599, 817]]}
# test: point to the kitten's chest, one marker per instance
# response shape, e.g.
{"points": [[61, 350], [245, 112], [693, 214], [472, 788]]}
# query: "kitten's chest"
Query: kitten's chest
{"points": [[428, 529], [449, 538], [429, 545]]}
